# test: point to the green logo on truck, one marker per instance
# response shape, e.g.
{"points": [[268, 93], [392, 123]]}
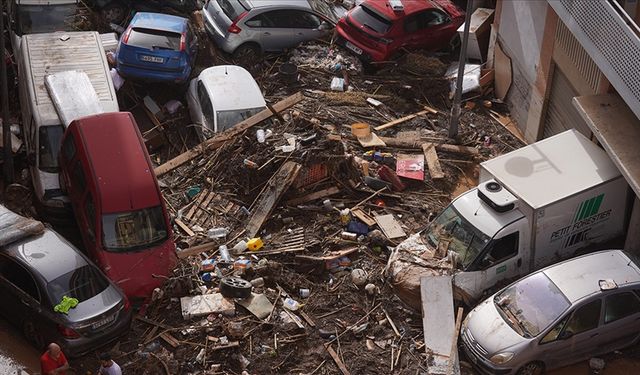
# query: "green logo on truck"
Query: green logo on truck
{"points": [[587, 215], [588, 208]]}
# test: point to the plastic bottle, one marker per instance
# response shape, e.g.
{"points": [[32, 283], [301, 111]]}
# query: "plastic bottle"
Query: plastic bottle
{"points": [[208, 276], [217, 232], [224, 253], [260, 135]]}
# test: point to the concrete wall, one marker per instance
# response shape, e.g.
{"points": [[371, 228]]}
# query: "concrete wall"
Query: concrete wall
{"points": [[520, 33]]}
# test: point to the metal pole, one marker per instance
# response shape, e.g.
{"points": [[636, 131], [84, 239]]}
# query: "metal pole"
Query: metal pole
{"points": [[7, 156], [455, 110]]}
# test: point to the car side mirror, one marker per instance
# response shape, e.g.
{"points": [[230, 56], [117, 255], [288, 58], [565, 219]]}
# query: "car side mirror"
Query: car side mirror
{"points": [[565, 335], [324, 26]]}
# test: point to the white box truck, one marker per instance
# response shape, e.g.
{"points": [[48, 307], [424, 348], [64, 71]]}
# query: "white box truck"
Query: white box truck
{"points": [[532, 207], [43, 55]]}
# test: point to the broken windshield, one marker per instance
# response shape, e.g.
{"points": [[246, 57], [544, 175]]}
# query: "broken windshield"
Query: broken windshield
{"points": [[535, 302], [453, 232], [134, 230]]}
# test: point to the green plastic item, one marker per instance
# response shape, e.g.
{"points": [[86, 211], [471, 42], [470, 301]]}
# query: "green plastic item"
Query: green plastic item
{"points": [[66, 304]]}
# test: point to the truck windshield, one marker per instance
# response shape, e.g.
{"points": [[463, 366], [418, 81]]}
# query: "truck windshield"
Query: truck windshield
{"points": [[531, 305], [49, 146], [33, 19], [135, 230], [456, 234], [82, 283]]}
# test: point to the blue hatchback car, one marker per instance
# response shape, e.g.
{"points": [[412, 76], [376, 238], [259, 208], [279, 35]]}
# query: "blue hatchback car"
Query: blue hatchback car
{"points": [[157, 48]]}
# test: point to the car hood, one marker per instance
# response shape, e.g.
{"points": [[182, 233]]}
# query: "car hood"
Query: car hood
{"points": [[489, 329], [95, 306]]}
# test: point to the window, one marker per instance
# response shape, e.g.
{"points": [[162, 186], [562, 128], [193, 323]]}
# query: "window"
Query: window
{"points": [[288, 19], [501, 249], [231, 8], [78, 179], [555, 332], [371, 19], [69, 147], [205, 104], [50, 144], [90, 216], [134, 230], [82, 283], [424, 20], [228, 119], [261, 20], [154, 39], [620, 306], [19, 277], [585, 318]]}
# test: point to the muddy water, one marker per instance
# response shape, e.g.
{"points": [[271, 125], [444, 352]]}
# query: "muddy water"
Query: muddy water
{"points": [[17, 357]]}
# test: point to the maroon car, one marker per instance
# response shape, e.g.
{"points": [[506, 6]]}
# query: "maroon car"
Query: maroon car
{"points": [[378, 30]]}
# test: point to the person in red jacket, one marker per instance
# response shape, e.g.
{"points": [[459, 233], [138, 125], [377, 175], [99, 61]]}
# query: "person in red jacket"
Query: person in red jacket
{"points": [[53, 361]]}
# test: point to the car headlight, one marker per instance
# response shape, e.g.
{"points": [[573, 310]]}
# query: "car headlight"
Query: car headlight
{"points": [[501, 358]]}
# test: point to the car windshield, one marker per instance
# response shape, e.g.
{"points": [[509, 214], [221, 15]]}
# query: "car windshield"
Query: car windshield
{"points": [[154, 39], [453, 232], [371, 19], [228, 119], [34, 19], [532, 304], [231, 8], [82, 283], [135, 230], [49, 147]]}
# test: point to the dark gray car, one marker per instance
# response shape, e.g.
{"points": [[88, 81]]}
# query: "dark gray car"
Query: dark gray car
{"points": [[37, 272], [247, 28]]}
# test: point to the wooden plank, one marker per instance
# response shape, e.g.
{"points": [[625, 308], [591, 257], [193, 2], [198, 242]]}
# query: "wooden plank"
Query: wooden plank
{"points": [[503, 74], [433, 163], [192, 210], [454, 352], [195, 250], [313, 196], [338, 361], [457, 149], [332, 255], [362, 216], [228, 134], [417, 144], [166, 336], [184, 227], [307, 318], [203, 206], [438, 321], [270, 196], [403, 119], [390, 226]]}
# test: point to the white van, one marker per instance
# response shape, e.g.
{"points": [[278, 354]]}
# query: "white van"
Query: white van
{"points": [[41, 55]]}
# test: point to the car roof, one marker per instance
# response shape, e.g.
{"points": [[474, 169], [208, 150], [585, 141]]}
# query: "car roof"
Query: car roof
{"points": [[118, 161], [579, 277], [410, 7], [48, 254], [159, 21], [231, 87], [277, 3]]}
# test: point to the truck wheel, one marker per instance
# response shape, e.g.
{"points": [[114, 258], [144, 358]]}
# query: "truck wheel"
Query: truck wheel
{"points": [[235, 287], [531, 368]]}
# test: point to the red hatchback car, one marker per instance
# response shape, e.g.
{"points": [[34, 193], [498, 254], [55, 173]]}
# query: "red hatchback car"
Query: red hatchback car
{"points": [[377, 30], [117, 203]]}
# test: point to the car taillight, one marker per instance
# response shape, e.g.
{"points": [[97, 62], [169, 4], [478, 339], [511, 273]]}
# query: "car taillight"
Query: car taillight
{"points": [[125, 36], [183, 42], [68, 332], [233, 28]]}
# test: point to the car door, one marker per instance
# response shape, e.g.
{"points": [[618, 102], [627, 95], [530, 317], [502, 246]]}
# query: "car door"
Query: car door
{"points": [[19, 293], [621, 320], [575, 337], [429, 29], [285, 28]]}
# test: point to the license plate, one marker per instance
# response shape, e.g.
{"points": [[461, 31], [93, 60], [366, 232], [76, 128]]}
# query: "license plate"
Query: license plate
{"points": [[153, 59], [353, 48], [103, 322]]}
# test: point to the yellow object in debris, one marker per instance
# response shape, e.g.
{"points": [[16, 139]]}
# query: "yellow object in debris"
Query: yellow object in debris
{"points": [[255, 244]]}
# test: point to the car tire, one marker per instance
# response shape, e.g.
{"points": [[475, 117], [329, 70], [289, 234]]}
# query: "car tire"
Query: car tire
{"points": [[235, 287], [531, 368], [247, 54], [33, 335], [114, 12]]}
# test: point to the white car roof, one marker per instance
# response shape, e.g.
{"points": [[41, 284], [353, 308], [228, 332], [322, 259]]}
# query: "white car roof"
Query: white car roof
{"points": [[231, 87], [579, 277]]}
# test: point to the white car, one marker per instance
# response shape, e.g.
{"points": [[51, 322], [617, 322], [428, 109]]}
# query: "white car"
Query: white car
{"points": [[221, 97]]}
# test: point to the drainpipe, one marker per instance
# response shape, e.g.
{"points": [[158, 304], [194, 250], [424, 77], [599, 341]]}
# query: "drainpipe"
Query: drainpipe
{"points": [[455, 110]]}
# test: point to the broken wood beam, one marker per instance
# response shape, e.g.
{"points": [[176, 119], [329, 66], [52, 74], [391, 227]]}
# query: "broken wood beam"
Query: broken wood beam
{"points": [[195, 250], [184, 227], [417, 144], [313, 196], [166, 336], [403, 119], [228, 134], [330, 256], [338, 361], [270, 196], [433, 163]]}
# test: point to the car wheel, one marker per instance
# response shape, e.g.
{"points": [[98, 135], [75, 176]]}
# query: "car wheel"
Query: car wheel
{"points": [[114, 12], [235, 287], [33, 335], [531, 368], [247, 54]]}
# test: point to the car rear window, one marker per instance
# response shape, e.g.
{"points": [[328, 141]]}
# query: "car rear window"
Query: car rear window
{"points": [[134, 230], [231, 8], [371, 19], [154, 39], [82, 283]]}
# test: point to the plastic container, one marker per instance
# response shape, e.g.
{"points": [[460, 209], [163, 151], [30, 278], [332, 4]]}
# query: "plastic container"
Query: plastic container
{"points": [[255, 244], [291, 304], [337, 84], [242, 264], [240, 247], [208, 265], [208, 276], [217, 232], [224, 253], [360, 129], [345, 216], [260, 135]]}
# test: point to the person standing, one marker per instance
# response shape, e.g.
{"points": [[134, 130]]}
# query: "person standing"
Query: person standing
{"points": [[108, 366], [53, 361]]}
